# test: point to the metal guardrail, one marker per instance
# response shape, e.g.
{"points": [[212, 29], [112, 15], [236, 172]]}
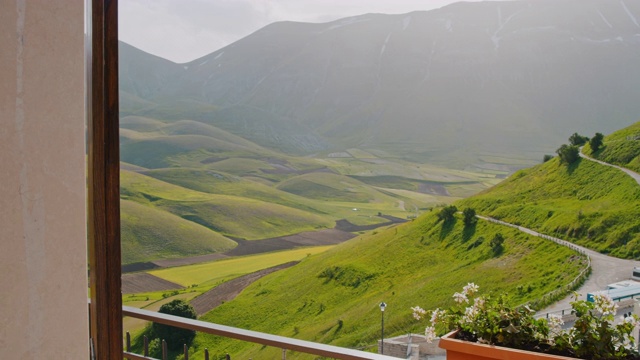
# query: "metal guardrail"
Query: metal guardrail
{"points": [[282, 342], [572, 285]]}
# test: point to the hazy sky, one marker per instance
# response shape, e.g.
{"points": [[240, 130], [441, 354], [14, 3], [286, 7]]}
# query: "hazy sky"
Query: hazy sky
{"points": [[184, 30]]}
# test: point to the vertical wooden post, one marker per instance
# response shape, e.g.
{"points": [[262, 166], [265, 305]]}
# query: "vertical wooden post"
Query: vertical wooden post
{"points": [[206, 354], [128, 345], [185, 351], [165, 352], [103, 181], [145, 344]]}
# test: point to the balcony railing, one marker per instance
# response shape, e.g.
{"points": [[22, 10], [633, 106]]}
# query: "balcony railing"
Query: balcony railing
{"points": [[281, 342]]}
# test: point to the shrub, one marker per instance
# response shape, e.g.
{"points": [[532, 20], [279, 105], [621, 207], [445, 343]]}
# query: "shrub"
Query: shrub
{"points": [[175, 337], [447, 213]]}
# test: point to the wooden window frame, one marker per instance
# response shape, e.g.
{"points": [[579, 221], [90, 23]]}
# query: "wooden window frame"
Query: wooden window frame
{"points": [[103, 180]]}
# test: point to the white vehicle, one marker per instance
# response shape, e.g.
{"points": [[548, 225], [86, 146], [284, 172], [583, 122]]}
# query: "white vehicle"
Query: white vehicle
{"points": [[636, 273]]}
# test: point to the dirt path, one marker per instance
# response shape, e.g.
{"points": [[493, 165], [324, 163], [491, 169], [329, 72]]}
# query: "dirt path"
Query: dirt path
{"points": [[230, 289]]}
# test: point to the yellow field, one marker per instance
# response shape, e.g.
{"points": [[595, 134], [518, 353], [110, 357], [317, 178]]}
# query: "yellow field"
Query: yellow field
{"points": [[215, 271]]}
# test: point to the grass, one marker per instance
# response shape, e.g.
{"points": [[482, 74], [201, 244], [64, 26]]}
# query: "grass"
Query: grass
{"points": [[332, 297], [227, 215], [621, 148], [151, 234], [570, 202], [203, 183], [217, 271]]}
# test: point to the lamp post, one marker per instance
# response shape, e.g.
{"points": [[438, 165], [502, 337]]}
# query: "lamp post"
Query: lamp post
{"points": [[382, 307]]}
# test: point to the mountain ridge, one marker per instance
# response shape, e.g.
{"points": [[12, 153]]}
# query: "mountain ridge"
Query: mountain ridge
{"points": [[465, 79]]}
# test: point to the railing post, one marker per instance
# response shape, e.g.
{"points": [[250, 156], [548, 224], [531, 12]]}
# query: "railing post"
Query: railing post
{"points": [[284, 354], [228, 357], [206, 354], [128, 343], [185, 351], [145, 343], [164, 350]]}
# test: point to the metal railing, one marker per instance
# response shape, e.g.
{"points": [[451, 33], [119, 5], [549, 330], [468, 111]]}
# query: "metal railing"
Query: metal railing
{"points": [[308, 347]]}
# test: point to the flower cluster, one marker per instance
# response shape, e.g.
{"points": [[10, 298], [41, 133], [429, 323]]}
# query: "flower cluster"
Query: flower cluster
{"points": [[595, 334]]}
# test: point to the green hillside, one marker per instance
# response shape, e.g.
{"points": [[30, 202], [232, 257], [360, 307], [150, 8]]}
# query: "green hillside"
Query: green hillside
{"points": [[233, 187], [331, 187], [590, 204], [228, 215], [332, 297], [151, 234], [621, 148]]}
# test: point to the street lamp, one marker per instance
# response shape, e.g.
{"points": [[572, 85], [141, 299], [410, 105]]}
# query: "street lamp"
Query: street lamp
{"points": [[382, 307]]}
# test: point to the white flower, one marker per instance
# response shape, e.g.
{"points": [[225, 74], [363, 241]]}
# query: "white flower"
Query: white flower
{"points": [[418, 312], [631, 320], [460, 297], [478, 303], [470, 314], [604, 304], [430, 333], [437, 315], [470, 289], [555, 324]]}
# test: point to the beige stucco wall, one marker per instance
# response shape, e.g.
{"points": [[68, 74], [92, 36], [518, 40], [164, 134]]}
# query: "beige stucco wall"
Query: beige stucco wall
{"points": [[43, 282]]}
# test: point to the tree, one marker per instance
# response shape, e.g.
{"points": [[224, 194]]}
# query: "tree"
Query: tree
{"points": [[447, 213], [496, 243], [469, 216], [546, 158], [175, 337], [578, 140], [596, 142], [568, 153]]}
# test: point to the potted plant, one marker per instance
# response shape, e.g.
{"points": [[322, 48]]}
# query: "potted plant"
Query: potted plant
{"points": [[485, 327]]}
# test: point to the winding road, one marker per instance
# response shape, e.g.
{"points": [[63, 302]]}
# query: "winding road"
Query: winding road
{"points": [[605, 269], [631, 173]]}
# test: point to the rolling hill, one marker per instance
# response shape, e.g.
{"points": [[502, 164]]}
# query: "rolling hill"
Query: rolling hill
{"points": [[457, 86], [590, 204], [151, 234], [333, 297], [621, 148], [197, 176]]}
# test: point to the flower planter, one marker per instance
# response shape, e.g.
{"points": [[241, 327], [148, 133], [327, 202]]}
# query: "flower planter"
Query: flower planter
{"points": [[465, 350]]}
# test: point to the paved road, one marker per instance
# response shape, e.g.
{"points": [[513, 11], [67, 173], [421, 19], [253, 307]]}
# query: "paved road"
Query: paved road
{"points": [[631, 173], [605, 269]]}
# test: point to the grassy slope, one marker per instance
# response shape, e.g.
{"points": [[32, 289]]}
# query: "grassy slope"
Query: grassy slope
{"points": [[151, 234], [332, 187], [244, 190], [227, 215], [619, 150], [590, 204], [332, 297], [217, 182]]}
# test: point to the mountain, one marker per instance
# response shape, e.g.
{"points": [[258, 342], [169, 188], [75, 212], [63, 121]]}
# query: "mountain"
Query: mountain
{"points": [[455, 85]]}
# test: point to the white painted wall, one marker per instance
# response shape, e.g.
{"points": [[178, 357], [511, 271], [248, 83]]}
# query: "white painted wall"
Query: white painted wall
{"points": [[43, 272]]}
